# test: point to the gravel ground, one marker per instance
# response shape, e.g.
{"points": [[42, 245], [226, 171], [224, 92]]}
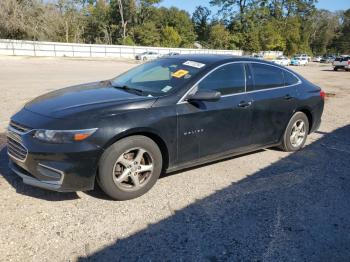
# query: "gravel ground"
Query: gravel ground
{"points": [[265, 206]]}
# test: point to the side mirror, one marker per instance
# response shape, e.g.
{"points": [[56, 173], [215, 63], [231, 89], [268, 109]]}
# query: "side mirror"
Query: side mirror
{"points": [[207, 95]]}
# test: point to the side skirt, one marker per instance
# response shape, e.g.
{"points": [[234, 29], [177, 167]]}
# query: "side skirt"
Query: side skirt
{"points": [[214, 158]]}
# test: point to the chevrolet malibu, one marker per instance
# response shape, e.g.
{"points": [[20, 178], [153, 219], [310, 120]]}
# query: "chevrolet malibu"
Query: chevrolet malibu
{"points": [[161, 116]]}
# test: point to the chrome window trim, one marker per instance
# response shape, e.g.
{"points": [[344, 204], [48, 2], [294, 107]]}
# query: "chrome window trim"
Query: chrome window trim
{"points": [[183, 101]]}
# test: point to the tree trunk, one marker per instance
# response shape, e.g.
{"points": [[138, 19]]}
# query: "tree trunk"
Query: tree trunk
{"points": [[122, 18]]}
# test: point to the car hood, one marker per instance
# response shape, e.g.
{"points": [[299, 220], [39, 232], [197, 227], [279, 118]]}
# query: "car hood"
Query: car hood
{"points": [[87, 100]]}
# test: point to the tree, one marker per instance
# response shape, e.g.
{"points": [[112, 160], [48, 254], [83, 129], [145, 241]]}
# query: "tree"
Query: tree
{"points": [[200, 19], [325, 25], [219, 37], [98, 28], [180, 20], [124, 23], [342, 43], [229, 9], [170, 38], [147, 34], [252, 25], [270, 37]]}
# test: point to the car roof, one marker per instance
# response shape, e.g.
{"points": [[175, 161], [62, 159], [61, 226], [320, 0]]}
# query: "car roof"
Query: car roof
{"points": [[215, 58]]}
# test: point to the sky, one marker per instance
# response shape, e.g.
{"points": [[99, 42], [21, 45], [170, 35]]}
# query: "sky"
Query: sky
{"points": [[190, 5]]}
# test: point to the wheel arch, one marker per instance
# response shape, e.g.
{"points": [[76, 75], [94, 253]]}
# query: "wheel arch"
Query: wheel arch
{"points": [[147, 132], [307, 111]]}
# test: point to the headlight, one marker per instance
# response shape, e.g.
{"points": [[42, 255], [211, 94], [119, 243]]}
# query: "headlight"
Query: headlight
{"points": [[63, 136]]}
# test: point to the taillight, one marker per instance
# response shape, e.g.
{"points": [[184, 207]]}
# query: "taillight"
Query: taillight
{"points": [[348, 62], [322, 94]]}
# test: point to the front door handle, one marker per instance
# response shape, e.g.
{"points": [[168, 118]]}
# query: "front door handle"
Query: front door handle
{"points": [[288, 97], [245, 104]]}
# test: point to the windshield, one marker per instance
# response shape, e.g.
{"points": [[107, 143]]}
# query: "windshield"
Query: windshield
{"points": [[158, 77]]}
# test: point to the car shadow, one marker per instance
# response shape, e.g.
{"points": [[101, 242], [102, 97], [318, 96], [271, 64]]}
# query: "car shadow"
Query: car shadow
{"points": [[98, 193], [21, 188], [296, 209], [331, 70]]}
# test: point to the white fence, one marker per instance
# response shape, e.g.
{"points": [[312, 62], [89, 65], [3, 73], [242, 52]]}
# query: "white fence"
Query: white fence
{"points": [[33, 48]]}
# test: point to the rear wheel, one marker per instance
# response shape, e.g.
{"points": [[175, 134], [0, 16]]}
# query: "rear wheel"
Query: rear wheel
{"points": [[335, 68], [296, 133], [130, 167]]}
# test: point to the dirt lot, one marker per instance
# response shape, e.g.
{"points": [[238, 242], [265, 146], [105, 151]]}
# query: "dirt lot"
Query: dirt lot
{"points": [[265, 206]]}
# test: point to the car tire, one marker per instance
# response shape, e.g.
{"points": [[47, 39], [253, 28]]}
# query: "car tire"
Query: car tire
{"points": [[293, 139], [122, 158], [335, 68]]}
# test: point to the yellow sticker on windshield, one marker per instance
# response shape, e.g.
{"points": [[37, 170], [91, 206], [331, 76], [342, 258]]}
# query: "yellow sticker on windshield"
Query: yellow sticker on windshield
{"points": [[179, 73]]}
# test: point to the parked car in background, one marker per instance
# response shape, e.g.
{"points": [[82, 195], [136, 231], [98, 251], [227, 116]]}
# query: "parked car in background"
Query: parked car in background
{"points": [[308, 58], [150, 55], [172, 54], [261, 57], [282, 60], [298, 61], [327, 59], [162, 116], [342, 62], [317, 59]]}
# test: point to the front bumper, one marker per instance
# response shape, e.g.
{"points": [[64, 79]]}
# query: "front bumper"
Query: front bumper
{"points": [[31, 180], [58, 172], [58, 167]]}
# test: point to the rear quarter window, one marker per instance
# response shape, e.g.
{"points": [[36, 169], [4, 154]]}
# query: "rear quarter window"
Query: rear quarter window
{"points": [[289, 78]]}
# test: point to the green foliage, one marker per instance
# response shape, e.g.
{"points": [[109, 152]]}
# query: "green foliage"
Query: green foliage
{"points": [[342, 42], [147, 34], [219, 37], [128, 41], [170, 38], [200, 19], [180, 21], [270, 36], [293, 26]]}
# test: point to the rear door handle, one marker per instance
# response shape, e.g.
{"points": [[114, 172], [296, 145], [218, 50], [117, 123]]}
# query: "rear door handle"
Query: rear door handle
{"points": [[288, 97], [245, 104]]}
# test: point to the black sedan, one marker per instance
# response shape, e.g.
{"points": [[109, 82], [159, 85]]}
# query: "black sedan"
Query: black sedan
{"points": [[165, 115]]}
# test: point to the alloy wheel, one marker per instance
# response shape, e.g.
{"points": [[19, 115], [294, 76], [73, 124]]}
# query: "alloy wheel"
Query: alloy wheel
{"points": [[133, 169], [298, 133]]}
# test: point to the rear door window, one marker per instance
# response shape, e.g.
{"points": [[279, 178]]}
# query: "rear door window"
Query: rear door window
{"points": [[267, 76]]}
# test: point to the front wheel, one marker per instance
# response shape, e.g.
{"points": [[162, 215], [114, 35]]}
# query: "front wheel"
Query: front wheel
{"points": [[130, 167], [296, 133]]}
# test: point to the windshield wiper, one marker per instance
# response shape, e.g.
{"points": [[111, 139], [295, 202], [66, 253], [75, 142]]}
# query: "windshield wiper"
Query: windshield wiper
{"points": [[131, 89]]}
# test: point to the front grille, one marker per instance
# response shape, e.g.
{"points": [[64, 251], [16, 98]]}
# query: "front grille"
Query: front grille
{"points": [[19, 127], [15, 147]]}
